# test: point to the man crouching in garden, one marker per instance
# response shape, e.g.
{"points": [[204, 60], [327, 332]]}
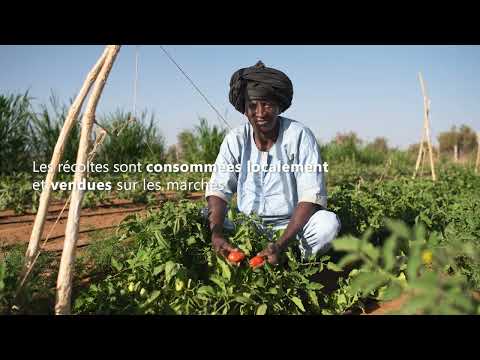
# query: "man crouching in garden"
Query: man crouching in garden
{"points": [[294, 201]]}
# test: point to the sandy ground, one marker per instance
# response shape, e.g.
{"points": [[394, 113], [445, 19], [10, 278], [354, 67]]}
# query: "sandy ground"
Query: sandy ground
{"points": [[16, 229]]}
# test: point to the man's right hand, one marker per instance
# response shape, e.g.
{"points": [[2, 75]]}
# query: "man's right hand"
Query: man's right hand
{"points": [[221, 246], [216, 211]]}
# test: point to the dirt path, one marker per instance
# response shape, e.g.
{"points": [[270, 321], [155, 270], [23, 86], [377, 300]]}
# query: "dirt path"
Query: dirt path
{"points": [[387, 307], [16, 229]]}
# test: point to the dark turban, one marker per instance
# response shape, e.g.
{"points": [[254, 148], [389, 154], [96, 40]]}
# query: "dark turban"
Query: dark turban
{"points": [[260, 83]]}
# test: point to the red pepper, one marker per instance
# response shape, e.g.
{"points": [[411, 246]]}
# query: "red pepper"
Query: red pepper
{"points": [[256, 261], [236, 256]]}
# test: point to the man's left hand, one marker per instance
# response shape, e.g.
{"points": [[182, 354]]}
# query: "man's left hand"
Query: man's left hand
{"points": [[271, 253]]}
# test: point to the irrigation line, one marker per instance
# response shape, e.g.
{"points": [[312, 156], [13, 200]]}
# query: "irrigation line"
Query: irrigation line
{"points": [[195, 86]]}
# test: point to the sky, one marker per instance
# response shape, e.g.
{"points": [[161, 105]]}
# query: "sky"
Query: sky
{"points": [[371, 90]]}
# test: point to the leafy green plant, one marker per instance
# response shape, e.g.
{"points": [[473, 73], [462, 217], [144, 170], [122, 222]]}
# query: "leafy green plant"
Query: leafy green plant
{"points": [[46, 127], [172, 269], [201, 145], [15, 133], [411, 262], [16, 193], [38, 292], [131, 141]]}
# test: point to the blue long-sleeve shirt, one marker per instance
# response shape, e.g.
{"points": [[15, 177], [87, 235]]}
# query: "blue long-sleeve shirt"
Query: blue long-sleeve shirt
{"points": [[271, 194]]}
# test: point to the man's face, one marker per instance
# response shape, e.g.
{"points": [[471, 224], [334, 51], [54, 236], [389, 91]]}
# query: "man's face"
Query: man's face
{"points": [[262, 115]]}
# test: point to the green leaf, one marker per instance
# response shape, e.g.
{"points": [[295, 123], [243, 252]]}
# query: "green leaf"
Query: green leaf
{"points": [[206, 290], [171, 270], [191, 240], [2, 275], [163, 244], [154, 296], [398, 228], [419, 232], [427, 282], [260, 282], [293, 265], [402, 279], [231, 214], [346, 243], [371, 251], [116, 265], [298, 302], [310, 272], [390, 291], [424, 217], [225, 269], [347, 260], [366, 282], [334, 267], [314, 286], [243, 300], [388, 253], [273, 291], [158, 269], [341, 299], [413, 265], [218, 281], [367, 235], [313, 298], [262, 309]]}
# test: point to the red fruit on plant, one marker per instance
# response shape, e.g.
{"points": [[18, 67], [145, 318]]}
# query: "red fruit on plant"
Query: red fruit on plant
{"points": [[256, 261], [236, 256]]}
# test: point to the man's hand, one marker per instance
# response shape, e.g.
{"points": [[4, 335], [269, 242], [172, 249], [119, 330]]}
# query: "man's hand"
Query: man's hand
{"points": [[216, 217], [223, 248], [271, 253]]}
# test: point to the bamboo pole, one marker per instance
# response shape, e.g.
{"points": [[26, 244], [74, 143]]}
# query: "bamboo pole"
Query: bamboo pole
{"points": [[64, 280], [430, 150], [72, 115], [426, 114], [420, 154], [424, 157]]}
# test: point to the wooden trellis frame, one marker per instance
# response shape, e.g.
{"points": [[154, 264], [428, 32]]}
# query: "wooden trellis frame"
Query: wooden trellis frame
{"points": [[426, 133], [96, 77], [72, 115]]}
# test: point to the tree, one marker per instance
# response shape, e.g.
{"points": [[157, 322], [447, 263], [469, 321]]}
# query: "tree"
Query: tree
{"points": [[350, 138], [139, 140], [15, 133], [464, 138], [202, 144], [46, 127], [172, 154], [379, 144]]}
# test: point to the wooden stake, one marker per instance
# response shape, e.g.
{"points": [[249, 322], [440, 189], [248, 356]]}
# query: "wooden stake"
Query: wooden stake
{"points": [[424, 158], [72, 115], [455, 153], [64, 281], [420, 154], [426, 130]]}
